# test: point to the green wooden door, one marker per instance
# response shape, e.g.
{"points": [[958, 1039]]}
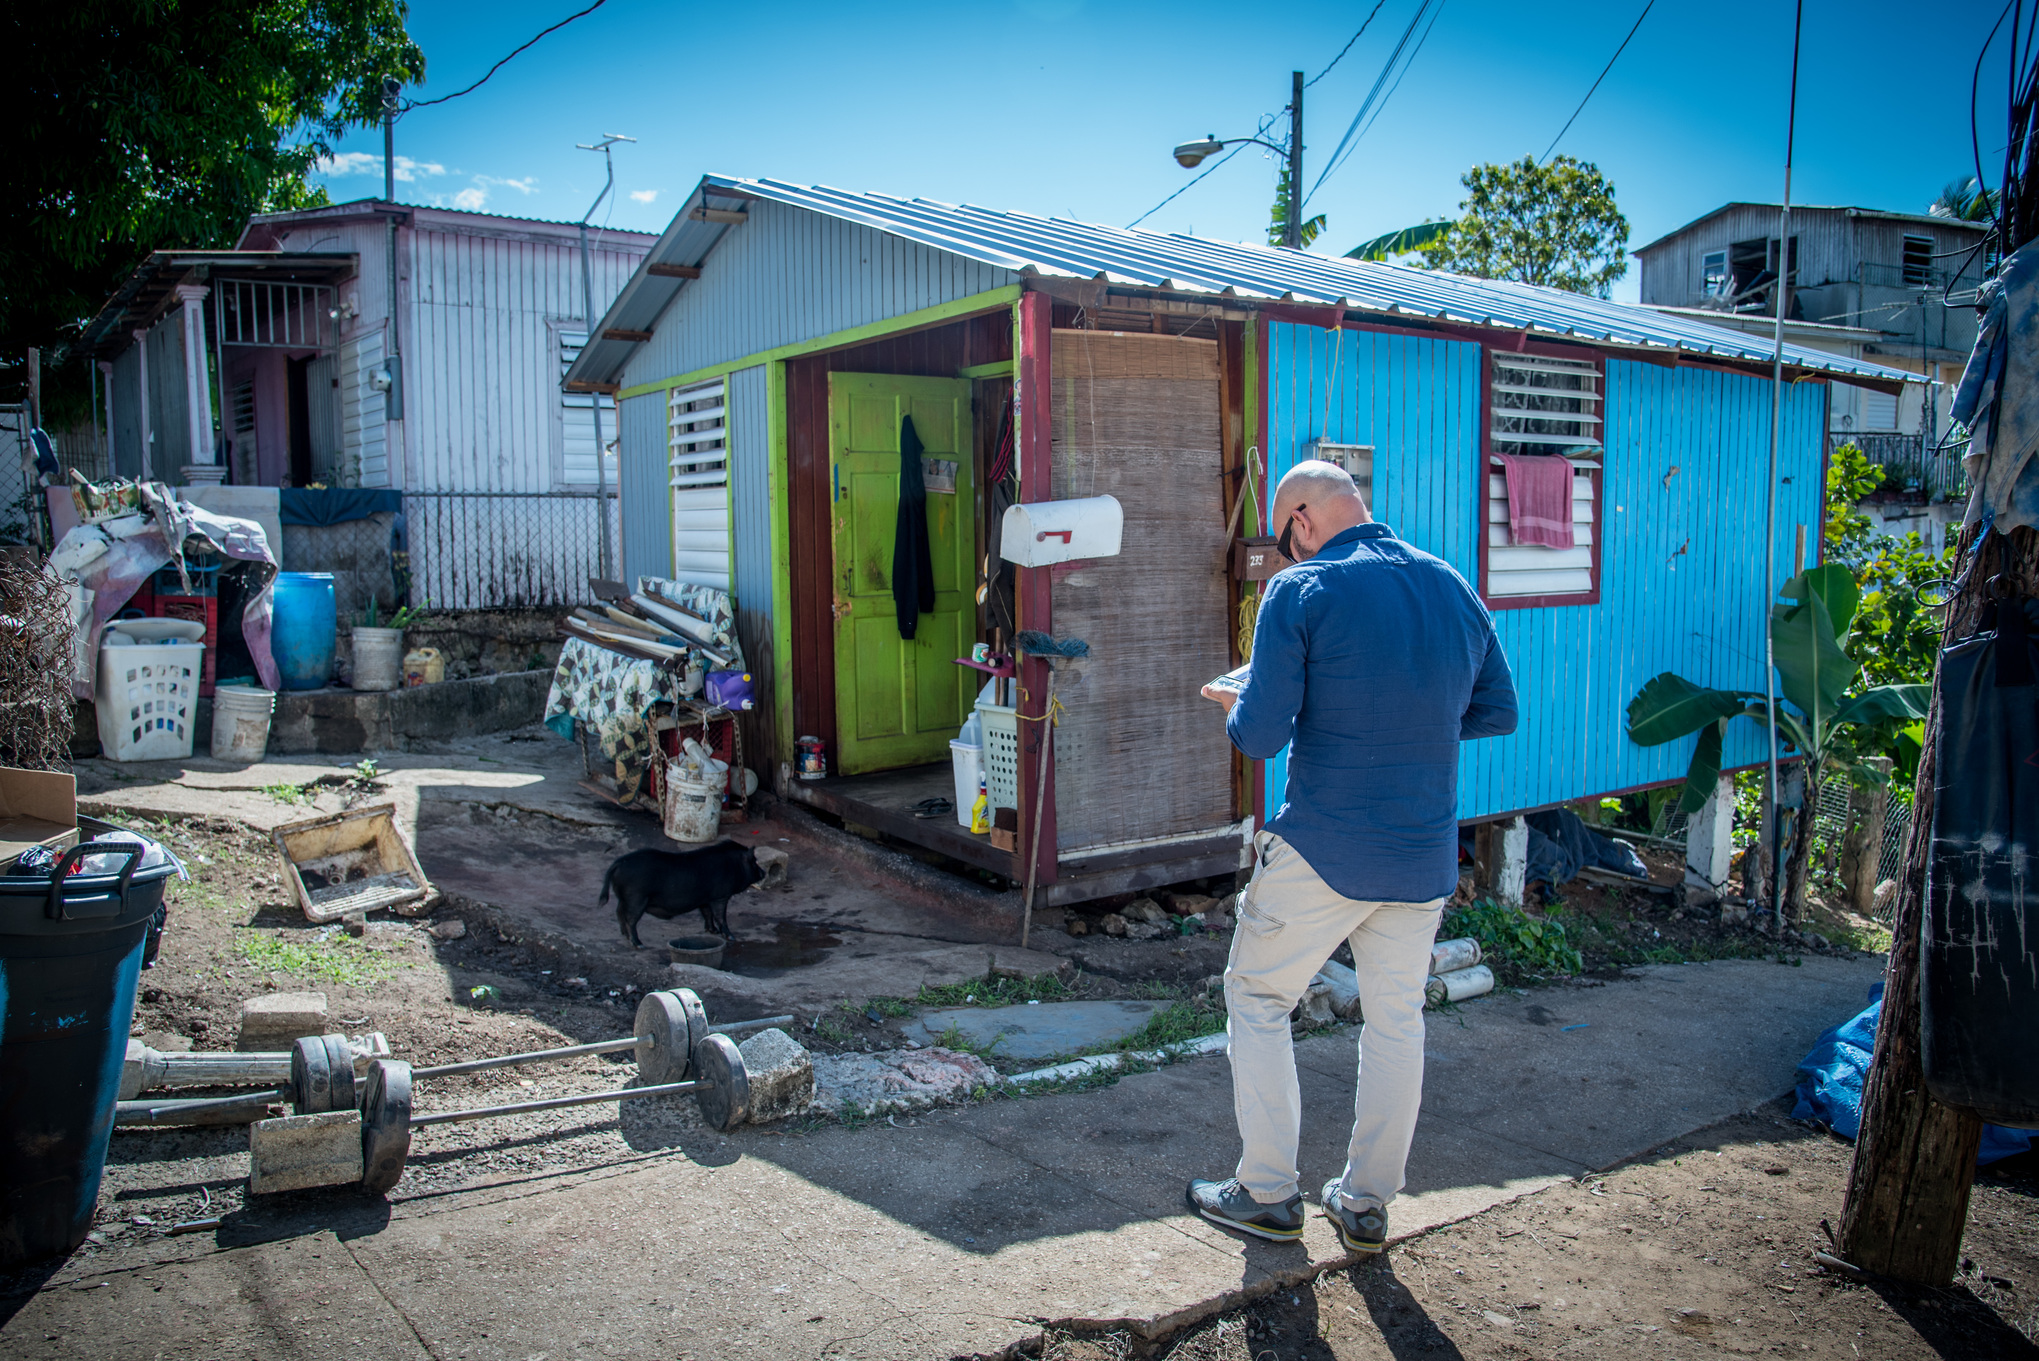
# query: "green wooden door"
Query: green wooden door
{"points": [[898, 702]]}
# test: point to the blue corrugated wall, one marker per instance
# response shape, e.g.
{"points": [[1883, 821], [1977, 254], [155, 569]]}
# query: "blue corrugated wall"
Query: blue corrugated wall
{"points": [[1681, 557], [642, 495]]}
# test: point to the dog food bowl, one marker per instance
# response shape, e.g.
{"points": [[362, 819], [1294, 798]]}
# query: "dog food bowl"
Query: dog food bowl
{"points": [[703, 950]]}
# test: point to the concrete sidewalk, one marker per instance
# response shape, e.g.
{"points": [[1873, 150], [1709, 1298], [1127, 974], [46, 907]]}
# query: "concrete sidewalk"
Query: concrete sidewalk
{"points": [[953, 1233]]}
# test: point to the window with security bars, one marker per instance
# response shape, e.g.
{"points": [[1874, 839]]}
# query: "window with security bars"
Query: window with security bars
{"points": [[697, 456], [577, 422], [1918, 261], [1543, 407]]}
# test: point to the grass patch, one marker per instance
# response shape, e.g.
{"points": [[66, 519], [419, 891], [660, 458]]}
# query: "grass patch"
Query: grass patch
{"points": [[1177, 1023], [320, 957], [953, 1038], [994, 992], [834, 1031], [292, 794], [892, 1006]]}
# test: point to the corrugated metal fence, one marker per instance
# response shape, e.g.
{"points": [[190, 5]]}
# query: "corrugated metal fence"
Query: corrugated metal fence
{"points": [[483, 550]]}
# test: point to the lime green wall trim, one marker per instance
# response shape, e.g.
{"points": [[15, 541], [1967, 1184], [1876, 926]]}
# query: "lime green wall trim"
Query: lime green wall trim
{"points": [[911, 321], [782, 573], [998, 368]]}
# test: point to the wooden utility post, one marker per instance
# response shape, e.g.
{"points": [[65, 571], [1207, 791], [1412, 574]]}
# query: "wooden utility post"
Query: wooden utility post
{"points": [[1915, 1160]]}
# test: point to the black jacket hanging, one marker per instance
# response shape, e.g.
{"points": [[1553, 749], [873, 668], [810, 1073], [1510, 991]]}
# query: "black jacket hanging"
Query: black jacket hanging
{"points": [[913, 563], [1979, 975]]}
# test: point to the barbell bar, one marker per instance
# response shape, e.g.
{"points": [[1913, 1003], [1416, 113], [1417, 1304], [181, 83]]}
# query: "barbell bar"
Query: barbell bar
{"points": [[722, 1091], [670, 1027]]}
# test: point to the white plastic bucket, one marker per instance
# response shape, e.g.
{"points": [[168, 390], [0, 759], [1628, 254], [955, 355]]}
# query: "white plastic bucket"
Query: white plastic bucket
{"points": [[240, 723], [378, 659], [968, 763], [693, 809]]}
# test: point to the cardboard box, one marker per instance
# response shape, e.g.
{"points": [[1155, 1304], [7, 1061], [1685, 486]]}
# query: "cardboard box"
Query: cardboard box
{"points": [[37, 808]]}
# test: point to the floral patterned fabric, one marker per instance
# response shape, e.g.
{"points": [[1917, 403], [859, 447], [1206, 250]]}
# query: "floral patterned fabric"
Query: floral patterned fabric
{"points": [[611, 694]]}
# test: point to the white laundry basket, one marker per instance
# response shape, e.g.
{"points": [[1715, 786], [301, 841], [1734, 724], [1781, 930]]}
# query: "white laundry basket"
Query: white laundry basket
{"points": [[1001, 756], [148, 690]]}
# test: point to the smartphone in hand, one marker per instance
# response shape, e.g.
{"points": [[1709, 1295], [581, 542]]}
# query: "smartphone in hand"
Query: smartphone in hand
{"points": [[1226, 689]]}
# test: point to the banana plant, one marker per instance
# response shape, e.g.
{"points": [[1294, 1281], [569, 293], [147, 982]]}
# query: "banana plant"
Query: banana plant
{"points": [[1820, 719]]}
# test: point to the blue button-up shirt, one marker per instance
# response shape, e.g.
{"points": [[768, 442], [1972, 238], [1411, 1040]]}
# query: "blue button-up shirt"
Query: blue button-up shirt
{"points": [[1371, 663]]}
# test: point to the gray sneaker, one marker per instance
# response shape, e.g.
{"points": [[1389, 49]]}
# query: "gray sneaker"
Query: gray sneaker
{"points": [[1361, 1231], [1227, 1204]]}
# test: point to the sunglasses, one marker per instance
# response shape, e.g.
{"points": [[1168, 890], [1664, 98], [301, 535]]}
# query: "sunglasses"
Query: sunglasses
{"points": [[1288, 532]]}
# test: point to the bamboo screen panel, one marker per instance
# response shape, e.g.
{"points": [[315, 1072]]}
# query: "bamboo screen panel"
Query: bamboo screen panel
{"points": [[1139, 754]]}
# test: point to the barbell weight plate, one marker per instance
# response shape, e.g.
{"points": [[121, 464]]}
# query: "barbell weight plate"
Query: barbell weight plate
{"points": [[340, 1072], [697, 1018], [311, 1076], [385, 1125], [725, 1101], [665, 1037]]}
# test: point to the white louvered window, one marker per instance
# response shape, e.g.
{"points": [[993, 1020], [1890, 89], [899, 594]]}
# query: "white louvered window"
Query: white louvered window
{"points": [[577, 422], [1549, 407], [697, 452]]}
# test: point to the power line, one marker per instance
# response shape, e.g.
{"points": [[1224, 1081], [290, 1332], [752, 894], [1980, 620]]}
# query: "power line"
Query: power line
{"points": [[428, 103], [1373, 96], [1596, 84], [1347, 48], [1264, 124]]}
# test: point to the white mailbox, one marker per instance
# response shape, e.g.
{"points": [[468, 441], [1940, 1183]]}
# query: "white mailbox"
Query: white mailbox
{"points": [[1040, 533]]}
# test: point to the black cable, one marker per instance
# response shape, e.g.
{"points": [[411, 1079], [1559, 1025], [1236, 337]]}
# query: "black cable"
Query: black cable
{"points": [[1596, 84], [1347, 48], [428, 103], [1365, 105], [1265, 123]]}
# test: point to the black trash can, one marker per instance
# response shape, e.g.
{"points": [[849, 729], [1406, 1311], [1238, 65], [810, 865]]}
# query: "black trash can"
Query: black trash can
{"points": [[71, 948]]}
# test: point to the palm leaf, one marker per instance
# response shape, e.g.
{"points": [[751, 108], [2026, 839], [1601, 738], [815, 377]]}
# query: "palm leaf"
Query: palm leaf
{"points": [[1671, 706], [1835, 586], [1703, 775], [1813, 670], [1886, 703], [1399, 242]]}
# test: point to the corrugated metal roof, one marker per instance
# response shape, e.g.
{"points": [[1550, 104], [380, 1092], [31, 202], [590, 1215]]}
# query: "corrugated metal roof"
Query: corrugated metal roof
{"points": [[1877, 214], [1129, 257]]}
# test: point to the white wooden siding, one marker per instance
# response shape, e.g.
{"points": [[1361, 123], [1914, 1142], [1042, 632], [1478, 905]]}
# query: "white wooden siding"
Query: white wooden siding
{"points": [[364, 433]]}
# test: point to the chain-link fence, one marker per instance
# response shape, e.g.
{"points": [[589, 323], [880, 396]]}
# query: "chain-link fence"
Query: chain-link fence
{"points": [[1830, 829], [481, 550]]}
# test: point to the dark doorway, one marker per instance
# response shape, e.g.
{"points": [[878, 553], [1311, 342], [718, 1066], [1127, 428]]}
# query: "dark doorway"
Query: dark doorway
{"points": [[300, 422]]}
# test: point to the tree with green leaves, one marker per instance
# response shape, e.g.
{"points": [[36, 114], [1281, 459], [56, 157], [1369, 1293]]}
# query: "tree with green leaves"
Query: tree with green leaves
{"points": [[1825, 723], [1553, 225], [163, 125], [1278, 218]]}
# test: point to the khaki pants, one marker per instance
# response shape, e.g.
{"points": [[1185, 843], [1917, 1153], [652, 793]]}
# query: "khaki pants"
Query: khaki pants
{"points": [[1289, 922]]}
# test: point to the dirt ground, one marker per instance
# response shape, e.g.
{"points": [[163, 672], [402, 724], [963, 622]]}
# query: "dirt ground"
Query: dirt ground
{"points": [[1704, 1248]]}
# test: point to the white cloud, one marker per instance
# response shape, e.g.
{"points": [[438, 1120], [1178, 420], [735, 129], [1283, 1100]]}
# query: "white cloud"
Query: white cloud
{"points": [[471, 199], [408, 171], [644, 195], [475, 197]]}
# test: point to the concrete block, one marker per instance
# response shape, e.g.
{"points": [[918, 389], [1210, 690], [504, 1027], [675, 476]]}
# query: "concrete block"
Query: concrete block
{"points": [[781, 1075], [1710, 844], [293, 1152], [275, 1020], [775, 863]]}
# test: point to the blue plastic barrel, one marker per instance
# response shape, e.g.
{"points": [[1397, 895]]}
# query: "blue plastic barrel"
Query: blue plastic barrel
{"points": [[302, 629], [71, 954]]}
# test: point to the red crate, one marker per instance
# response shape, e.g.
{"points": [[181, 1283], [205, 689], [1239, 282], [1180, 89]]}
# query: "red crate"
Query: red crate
{"points": [[199, 609]]}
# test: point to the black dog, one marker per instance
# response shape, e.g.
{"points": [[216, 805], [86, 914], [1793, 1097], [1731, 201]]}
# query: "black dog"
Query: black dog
{"points": [[669, 883]]}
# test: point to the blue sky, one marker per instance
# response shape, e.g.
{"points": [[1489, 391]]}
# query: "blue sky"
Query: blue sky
{"points": [[1070, 107]]}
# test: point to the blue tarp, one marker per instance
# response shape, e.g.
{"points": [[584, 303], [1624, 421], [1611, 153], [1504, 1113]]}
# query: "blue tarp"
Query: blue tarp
{"points": [[1830, 1084]]}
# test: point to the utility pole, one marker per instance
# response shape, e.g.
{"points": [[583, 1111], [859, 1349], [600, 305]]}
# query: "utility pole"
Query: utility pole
{"points": [[1292, 234], [609, 139], [393, 395]]}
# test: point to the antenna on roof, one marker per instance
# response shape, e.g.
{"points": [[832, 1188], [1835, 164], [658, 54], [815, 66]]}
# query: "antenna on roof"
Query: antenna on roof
{"points": [[609, 139]]}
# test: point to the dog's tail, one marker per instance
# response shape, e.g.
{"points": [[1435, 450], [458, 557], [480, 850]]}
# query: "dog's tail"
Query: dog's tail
{"points": [[607, 875]]}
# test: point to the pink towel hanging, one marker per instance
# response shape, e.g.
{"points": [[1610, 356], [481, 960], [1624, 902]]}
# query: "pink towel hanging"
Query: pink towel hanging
{"points": [[1539, 498]]}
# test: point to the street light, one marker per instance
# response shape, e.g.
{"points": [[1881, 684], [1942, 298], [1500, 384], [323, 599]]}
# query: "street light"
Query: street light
{"points": [[1189, 155]]}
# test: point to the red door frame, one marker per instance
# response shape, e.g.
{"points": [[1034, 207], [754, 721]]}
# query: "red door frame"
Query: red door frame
{"points": [[1032, 396]]}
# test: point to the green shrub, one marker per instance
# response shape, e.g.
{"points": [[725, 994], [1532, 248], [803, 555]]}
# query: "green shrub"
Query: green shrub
{"points": [[1532, 946]]}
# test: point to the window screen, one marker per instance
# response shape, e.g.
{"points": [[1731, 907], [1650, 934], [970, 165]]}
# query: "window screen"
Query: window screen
{"points": [[1918, 261], [577, 422], [697, 455], [1547, 407]]}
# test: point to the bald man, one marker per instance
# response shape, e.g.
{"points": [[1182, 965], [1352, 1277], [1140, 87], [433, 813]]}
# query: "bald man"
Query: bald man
{"points": [[1372, 661]]}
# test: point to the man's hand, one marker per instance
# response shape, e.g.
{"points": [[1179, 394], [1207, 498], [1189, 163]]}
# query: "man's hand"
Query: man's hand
{"points": [[1226, 697]]}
